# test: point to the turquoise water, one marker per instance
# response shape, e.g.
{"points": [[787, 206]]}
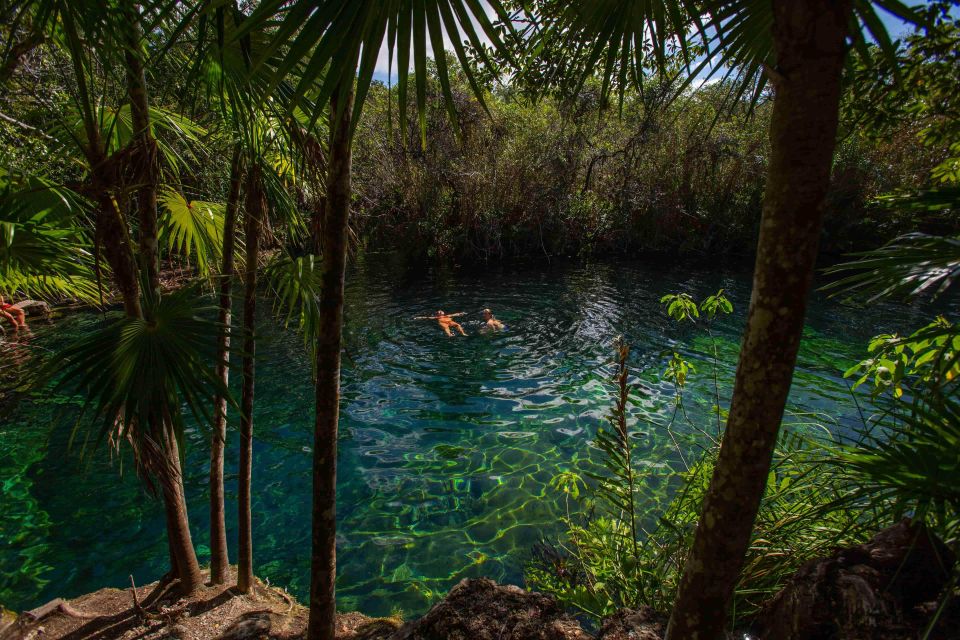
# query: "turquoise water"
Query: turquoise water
{"points": [[447, 444]]}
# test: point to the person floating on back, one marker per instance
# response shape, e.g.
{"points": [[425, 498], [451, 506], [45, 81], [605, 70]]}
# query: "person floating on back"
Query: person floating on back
{"points": [[446, 321], [490, 322], [14, 314]]}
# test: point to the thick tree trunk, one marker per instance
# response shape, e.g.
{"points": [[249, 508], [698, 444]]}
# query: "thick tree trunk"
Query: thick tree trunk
{"points": [[323, 560], [218, 529], [810, 46], [256, 207], [183, 558]]}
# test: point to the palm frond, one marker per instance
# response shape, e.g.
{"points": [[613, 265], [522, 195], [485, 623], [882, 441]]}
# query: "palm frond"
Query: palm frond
{"points": [[295, 282], [135, 375], [620, 41], [331, 43], [917, 461], [911, 265], [192, 229], [43, 249]]}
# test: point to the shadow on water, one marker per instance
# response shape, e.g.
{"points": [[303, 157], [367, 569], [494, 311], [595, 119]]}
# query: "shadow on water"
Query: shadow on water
{"points": [[447, 445]]}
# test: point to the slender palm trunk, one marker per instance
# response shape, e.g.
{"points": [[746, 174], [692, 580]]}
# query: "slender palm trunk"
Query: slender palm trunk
{"points": [[147, 168], [809, 38], [218, 528], [256, 208], [323, 559], [184, 557]]}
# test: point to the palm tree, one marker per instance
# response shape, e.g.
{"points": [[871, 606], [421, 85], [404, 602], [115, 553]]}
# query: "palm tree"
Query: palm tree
{"points": [[333, 243], [800, 45], [219, 561], [116, 144], [255, 211], [182, 553], [341, 41]]}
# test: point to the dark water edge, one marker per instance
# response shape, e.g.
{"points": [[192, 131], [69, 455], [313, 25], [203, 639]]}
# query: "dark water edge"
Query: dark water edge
{"points": [[447, 445]]}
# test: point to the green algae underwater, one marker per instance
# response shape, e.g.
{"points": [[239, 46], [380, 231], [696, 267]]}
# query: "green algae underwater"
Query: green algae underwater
{"points": [[447, 445]]}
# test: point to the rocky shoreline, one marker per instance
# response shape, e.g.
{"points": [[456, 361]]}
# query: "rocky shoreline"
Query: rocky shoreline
{"points": [[889, 588]]}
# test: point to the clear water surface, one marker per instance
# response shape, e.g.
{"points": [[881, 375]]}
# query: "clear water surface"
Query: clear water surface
{"points": [[447, 445]]}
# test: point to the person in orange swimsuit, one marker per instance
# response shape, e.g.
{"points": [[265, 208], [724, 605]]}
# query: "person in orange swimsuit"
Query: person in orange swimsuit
{"points": [[446, 321], [14, 314]]}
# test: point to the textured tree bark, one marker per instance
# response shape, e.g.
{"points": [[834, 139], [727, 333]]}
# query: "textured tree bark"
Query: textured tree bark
{"points": [[809, 38], [218, 529], [110, 229], [147, 168], [113, 238], [256, 208], [323, 560], [183, 558]]}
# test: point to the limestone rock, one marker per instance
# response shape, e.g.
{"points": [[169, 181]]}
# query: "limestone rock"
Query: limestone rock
{"points": [[356, 626], [33, 308], [481, 609], [875, 590]]}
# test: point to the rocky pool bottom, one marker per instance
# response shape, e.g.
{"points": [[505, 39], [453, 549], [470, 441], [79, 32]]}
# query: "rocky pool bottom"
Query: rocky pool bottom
{"points": [[448, 445]]}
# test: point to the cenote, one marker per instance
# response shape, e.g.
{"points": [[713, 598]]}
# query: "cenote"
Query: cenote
{"points": [[447, 445]]}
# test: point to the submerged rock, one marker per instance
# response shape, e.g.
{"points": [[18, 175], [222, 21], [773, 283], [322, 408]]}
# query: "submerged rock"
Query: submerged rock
{"points": [[878, 590], [481, 609]]}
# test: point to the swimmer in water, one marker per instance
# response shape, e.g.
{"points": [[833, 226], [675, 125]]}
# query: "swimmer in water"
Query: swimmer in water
{"points": [[490, 322], [446, 321], [15, 315]]}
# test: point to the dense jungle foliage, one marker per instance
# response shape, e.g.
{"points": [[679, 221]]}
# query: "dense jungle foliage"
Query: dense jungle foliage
{"points": [[557, 176]]}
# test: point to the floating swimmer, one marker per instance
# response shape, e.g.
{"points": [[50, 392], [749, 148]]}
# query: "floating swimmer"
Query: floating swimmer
{"points": [[490, 322], [446, 321]]}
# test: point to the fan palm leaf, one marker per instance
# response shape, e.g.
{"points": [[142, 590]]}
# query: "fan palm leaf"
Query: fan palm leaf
{"points": [[192, 228], [732, 38], [916, 461], [295, 281], [331, 43], [143, 371]]}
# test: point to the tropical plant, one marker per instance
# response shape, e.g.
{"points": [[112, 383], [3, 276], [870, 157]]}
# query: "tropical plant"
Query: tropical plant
{"points": [[337, 44], [802, 48], [44, 250], [122, 160], [136, 376], [343, 39], [619, 485], [192, 229], [219, 559], [620, 554]]}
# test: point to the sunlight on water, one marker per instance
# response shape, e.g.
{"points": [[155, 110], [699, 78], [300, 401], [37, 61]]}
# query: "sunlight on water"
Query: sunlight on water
{"points": [[447, 445]]}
